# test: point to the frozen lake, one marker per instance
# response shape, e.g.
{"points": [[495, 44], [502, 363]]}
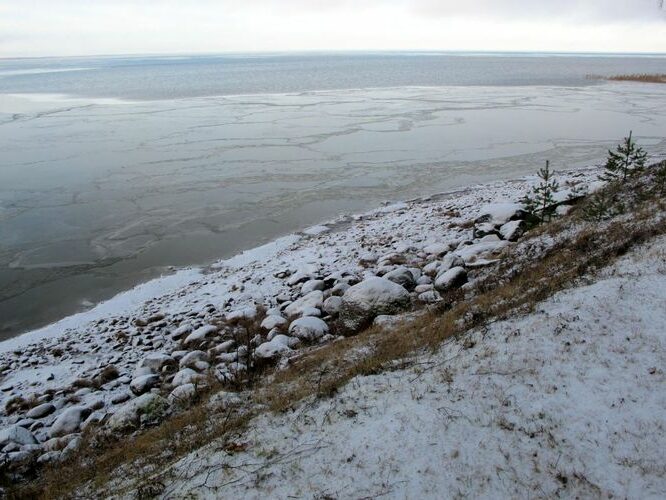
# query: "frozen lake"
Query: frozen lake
{"points": [[100, 193]]}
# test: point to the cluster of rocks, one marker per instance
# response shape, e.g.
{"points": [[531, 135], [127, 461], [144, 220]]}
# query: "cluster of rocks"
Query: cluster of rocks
{"points": [[139, 369]]}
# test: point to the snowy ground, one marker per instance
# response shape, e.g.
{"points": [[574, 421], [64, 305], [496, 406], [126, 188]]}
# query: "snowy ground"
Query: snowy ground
{"points": [[569, 401]]}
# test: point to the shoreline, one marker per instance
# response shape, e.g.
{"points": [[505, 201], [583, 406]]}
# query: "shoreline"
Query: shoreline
{"points": [[181, 277]]}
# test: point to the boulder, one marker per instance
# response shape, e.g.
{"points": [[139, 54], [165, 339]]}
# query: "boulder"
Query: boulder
{"points": [[308, 328], [499, 213], [453, 278], [200, 334], [340, 288], [181, 331], [129, 415], [16, 434], [274, 321], [273, 349], [370, 298], [436, 249], [311, 286], [183, 396], [144, 383], [470, 253], [50, 457], [186, 376], [191, 359], [246, 313], [512, 230], [430, 297], [41, 411], [156, 361], [423, 288], [69, 421], [402, 276], [448, 262], [332, 305], [484, 229], [313, 299]]}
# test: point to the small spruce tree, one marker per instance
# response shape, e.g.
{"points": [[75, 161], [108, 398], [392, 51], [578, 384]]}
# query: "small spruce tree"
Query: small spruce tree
{"points": [[540, 202], [627, 160]]}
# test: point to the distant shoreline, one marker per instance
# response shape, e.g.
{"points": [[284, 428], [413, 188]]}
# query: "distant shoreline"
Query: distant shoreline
{"points": [[642, 78]]}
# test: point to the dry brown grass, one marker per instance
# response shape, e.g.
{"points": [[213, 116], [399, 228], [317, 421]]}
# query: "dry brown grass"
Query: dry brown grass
{"points": [[517, 285], [644, 78]]}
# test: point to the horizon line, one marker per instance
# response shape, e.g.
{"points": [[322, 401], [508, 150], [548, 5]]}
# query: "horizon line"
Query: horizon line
{"points": [[337, 52]]}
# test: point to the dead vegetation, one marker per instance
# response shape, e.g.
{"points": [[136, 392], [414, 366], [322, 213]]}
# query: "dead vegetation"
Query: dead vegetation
{"points": [[528, 274], [643, 78]]}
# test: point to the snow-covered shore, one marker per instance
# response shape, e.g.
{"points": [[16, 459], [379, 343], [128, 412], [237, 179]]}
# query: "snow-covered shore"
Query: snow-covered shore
{"points": [[86, 368], [567, 401]]}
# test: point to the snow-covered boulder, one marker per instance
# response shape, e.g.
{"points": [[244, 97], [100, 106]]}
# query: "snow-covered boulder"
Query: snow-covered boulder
{"points": [[332, 305], [200, 334], [273, 321], [448, 262], [402, 276], [156, 361], [313, 299], [512, 230], [311, 286], [183, 395], [186, 376], [370, 298], [246, 313], [129, 415], [423, 288], [340, 288], [308, 328], [453, 278], [194, 360], [69, 421], [430, 297], [16, 434], [484, 229], [181, 331], [144, 383], [470, 253], [273, 349], [41, 411], [50, 457], [436, 249], [501, 212]]}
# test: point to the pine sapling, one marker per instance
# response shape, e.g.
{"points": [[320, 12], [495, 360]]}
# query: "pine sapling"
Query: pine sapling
{"points": [[627, 160], [540, 202]]}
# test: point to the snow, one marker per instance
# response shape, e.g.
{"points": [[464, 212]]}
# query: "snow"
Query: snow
{"points": [[308, 328], [500, 212], [315, 230], [567, 401]]}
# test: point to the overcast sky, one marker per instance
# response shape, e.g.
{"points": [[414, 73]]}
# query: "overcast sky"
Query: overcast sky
{"points": [[78, 27]]}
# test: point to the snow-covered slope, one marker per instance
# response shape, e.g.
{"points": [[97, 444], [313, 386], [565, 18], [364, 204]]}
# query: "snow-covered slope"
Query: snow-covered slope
{"points": [[567, 401]]}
